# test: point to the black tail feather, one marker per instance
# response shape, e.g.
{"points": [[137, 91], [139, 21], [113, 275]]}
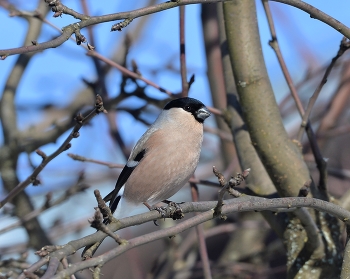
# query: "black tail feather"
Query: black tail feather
{"points": [[113, 205]]}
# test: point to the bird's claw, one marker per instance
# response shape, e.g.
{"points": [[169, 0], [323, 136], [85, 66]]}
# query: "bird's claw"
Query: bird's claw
{"points": [[162, 210], [175, 211]]}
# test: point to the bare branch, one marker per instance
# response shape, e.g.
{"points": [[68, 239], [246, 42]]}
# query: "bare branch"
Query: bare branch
{"points": [[234, 205], [84, 159], [58, 8], [344, 46], [275, 46], [227, 187], [64, 146], [183, 68], [34, 267], [7, 107], [317, 14], [79, 187], [128, 72], [85, 22], [201, 238], [97, 223]]}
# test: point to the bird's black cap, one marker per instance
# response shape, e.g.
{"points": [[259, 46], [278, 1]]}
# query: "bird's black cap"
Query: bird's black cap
{"points": [[195, 107]]}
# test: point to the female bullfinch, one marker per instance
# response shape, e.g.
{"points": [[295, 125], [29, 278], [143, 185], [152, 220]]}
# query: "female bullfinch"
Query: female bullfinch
{"points": [[163, 159]]}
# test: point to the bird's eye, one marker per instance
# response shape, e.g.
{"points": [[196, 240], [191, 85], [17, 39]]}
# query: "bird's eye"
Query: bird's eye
{"points": [[187, 108]]}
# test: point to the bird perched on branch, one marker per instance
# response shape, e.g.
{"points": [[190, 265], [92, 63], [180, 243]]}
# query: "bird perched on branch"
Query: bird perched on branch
{"points": [[163, 159]]}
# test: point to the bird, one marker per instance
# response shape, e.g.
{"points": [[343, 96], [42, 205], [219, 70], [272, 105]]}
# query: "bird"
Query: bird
{"points": [[163, 159]]}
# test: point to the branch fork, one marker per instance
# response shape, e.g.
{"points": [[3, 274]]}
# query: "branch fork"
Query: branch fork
{"points": [[227, 187]]}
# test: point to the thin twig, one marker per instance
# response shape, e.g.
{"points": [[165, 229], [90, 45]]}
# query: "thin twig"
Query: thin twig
{"points": [[128, 72], [97, 223], [275, 46], [183, 68], [124, 70], [65, 265], [58, 8], [79, 187], [101, 80], [96, 273], [344, 46], [64, 146], [320, 161], [227, 187], [201, 238], [93, 20], [35, 266], [318, 14], [99, 86], [84, 159]]}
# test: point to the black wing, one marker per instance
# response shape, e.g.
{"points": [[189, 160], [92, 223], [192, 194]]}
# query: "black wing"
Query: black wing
{"points": [[123, 177]]}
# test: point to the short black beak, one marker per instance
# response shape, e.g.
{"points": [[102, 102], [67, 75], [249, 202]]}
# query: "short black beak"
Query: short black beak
{"points": [[203, 113]]}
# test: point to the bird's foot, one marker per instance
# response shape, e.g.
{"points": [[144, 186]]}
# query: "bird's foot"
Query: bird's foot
{"points": [[174, 209], [162, 210]]}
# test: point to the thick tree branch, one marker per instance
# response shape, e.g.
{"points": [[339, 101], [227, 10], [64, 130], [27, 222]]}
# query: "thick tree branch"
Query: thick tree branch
{"points": [[280, 156], [321, 162], [7, 106], [211, 36]]}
